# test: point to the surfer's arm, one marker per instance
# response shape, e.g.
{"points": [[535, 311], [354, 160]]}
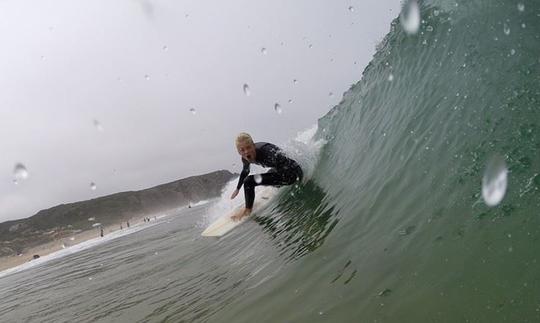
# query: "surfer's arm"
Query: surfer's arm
{"points": [[243, 174]]}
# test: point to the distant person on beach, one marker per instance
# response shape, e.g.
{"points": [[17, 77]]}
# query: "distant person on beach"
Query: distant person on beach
{"points": [[284, 171]]}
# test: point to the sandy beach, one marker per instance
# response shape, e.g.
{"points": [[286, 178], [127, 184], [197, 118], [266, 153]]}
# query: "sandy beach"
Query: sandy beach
{"points": [[53, 246]]}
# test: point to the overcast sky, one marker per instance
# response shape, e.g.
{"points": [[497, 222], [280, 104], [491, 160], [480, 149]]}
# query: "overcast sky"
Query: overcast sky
{"points": [[138, 67]]}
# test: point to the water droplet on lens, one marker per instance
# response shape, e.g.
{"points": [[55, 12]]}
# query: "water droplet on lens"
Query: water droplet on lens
{"points": [[193, 111], [506, 29], [330, 94], [20, 172], [277, 108], [264, 51], [98, 125], [410, 17], [429, 28], [310, 46], [521, 7], [257, 178], [290, 101], [295, 81], [165, 48], [247, 91], [391, 77], [351, 8], [42, 57], [147, 77], [93, 186], [494, 181]]}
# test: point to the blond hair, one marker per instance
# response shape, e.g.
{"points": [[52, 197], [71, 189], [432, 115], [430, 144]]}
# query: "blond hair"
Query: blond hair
{"points": [[243, 138]]}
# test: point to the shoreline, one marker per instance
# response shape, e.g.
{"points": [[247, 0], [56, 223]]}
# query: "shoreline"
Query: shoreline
{"points": [[45, 249]]}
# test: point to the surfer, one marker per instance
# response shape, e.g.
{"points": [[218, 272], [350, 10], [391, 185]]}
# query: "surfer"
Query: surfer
{"points": [[284, 171]]}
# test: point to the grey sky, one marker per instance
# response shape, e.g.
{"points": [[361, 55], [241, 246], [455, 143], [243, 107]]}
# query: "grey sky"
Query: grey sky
{"points": [[65, 63]]}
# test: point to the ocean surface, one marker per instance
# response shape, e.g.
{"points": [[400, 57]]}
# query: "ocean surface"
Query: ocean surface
{"points": [[395, 222]]}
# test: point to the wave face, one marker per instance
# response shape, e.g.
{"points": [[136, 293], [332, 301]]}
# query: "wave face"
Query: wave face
{"points": [[392, 225]]}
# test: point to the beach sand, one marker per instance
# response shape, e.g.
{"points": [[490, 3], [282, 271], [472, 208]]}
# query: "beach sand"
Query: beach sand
{"points": [[50, 247]]}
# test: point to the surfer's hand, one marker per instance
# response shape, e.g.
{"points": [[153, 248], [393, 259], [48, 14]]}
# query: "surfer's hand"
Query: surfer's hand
{"points": [[234, 194]]}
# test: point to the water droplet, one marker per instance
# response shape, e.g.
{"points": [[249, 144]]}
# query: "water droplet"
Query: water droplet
{"points": [[147, 77], [310, 46], [429, 28], [523, 25], [506, 29], [410, 17], [351, 8], [264, 51], [20, 172], [42, 57], [521, 7], [391, 77], [494, 181], [512, 52], [330, 94], [290, 101], [193, 111], [277, 108], [98, 125], [93, 186], [165, 48], [295, 81], [257, 178], [247, 91], [90, 278]]}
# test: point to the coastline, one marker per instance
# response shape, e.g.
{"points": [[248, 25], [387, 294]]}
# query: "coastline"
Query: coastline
{"points": [[45, 249]]}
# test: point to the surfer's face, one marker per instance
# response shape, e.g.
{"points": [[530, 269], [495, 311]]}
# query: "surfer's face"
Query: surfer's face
{"points": [[247, 151]]}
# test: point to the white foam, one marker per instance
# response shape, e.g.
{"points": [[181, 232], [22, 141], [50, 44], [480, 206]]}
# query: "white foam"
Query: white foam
{"points": [[203, 202], [305, 149]]}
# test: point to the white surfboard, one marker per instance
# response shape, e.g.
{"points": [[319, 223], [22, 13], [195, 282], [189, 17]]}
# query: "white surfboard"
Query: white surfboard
{"points": [[225, 224]]}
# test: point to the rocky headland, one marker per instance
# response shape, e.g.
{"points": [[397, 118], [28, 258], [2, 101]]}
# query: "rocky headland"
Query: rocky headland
{"points": [[66, 220]]}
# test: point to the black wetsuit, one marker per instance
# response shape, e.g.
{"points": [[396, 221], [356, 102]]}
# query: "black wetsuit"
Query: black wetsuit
{"points": [[285, 171]]}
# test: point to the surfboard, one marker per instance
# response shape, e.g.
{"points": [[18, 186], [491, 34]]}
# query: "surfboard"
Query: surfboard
{"points": [[225, 224]]}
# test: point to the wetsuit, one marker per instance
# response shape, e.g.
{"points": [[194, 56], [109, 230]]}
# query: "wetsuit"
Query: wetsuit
{"points": [[285, 171]]}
